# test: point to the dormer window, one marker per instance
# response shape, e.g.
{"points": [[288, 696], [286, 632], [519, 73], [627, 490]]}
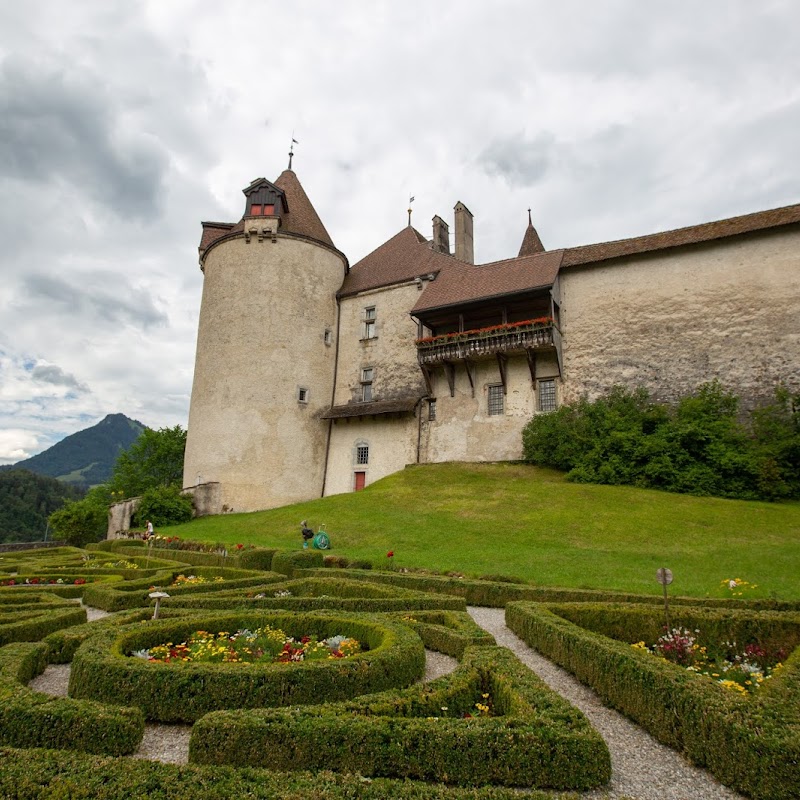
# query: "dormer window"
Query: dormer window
{"points": [[264, 199]]}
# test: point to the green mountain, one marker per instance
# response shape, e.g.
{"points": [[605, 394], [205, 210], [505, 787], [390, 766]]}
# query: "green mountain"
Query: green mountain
{"points": [[26, 501], [87, 457]]}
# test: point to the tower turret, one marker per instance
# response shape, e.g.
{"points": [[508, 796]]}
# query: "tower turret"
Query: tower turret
{"points": [[265, 360]]}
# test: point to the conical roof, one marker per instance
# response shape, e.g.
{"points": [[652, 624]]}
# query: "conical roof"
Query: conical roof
{"points": [[531, 243], [301, 218]]}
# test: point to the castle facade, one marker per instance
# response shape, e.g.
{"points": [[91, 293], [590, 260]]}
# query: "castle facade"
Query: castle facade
{"points": [[313, 377]]}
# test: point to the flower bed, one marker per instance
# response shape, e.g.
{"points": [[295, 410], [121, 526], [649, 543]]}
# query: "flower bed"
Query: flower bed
{"points": [[739, 668], [183, 692], [260, 646]]}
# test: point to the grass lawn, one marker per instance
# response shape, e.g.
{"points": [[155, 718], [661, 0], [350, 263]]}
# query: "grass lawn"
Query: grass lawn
{"points": [[529, 522]]}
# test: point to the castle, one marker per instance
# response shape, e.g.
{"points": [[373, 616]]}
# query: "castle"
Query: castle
{"points": [[314, 378]]}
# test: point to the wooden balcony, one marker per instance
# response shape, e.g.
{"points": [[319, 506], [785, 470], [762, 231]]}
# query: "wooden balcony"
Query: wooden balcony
{"points": [[471, 345]]}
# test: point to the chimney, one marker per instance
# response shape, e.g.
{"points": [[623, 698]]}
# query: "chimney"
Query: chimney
{"points": [[441, 236], [464, 247]]}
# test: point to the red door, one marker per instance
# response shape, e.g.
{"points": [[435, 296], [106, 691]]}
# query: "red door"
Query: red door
{"points": [[361, 478]]}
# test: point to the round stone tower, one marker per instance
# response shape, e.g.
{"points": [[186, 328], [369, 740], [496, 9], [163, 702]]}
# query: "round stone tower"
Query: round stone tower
{"points": [[266, 352]]}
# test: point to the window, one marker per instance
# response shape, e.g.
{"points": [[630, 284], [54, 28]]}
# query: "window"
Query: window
{"points": [[255, 209], [362, 454], [369, 323], [495, 402], [259, 210], [431, 410], [547, 395], [366, 384], [302, 394], [328, 338]]}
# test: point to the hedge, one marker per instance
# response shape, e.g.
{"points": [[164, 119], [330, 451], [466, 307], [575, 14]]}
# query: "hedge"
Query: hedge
{"points": [[248, 558], [308, 594], [635, 623], [38, 774], [495, 594], [102, 670], [35, 626], [749, 743], [537, 739], [287, 561], [33, 719], [135, 593], [448, 632]]}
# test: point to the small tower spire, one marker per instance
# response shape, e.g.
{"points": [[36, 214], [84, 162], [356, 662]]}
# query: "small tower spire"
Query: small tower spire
{"points": [[291, 150], [410, 201]]}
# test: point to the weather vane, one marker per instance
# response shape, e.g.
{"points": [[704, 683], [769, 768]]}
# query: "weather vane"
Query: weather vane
{"points": [[291, 149], [410, 201]]}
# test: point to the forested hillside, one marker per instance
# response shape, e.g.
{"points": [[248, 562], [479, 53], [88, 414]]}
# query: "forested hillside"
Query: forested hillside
{"points": [[85, 458], [26, 500]]}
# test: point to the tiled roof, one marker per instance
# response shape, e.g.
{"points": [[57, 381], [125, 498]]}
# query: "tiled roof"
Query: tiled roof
{"points": [[708, 231], [213, 231], [302, 218], [406, 255], [404, 405], [531, 243], [462, 283]]}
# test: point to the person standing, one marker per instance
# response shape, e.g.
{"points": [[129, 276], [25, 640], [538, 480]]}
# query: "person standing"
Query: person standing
{"points": [[149, 530]]}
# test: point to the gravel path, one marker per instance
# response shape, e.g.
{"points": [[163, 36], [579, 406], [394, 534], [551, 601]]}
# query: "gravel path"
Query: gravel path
{"points": [[642, 768]]}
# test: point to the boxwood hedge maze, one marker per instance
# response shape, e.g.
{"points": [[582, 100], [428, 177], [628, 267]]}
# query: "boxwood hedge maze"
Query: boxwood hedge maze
{"points": [[296, 678]]}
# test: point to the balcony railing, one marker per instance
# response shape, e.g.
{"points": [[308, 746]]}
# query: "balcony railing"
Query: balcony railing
{"points": [[479, 343]]}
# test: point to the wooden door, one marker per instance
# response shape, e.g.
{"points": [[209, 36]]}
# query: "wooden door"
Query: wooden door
{"points": [[361, 479]]}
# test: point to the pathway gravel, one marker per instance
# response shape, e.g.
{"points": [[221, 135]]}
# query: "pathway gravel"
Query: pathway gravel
{"points": [[642, 768]]}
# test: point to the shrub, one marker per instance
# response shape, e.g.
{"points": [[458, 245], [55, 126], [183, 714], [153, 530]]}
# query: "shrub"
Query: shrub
{"points": [[534, 739], [102, 671], [35, 774], [163, 505], [697, 447], [33, 719], [287, 561], [751, 744]]}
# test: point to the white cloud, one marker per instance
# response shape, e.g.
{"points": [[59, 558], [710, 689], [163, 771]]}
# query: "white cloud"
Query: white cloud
{"points": [[123, 125]]}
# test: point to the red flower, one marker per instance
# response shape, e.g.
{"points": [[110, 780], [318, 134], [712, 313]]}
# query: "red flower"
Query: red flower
{"points": [[390, 554], [80, 581], [239, 546]]}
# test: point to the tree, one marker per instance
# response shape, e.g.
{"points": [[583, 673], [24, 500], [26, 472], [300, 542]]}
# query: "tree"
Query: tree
{"points": [[154, 460], [84, 521]]}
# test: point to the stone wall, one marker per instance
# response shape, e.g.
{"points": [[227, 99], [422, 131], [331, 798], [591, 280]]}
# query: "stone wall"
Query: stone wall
{"points": [[119, 517], [463, 429], [392, 443], [261, 338], [391, 352], [671, 321]]}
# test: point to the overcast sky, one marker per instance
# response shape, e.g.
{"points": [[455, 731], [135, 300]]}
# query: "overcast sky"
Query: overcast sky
{"points": [[124, 124]]}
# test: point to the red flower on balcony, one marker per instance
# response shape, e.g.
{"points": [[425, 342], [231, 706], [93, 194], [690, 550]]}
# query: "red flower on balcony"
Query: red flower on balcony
{"points": [[508, 327]]}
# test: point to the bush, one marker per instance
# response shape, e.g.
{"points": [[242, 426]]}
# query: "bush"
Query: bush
{"points": [[751, 744], [33, 719], [534, 739], [80, 522], [163, 505], [287, 561], [36, 774], [394, 657], [698, 447]]}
